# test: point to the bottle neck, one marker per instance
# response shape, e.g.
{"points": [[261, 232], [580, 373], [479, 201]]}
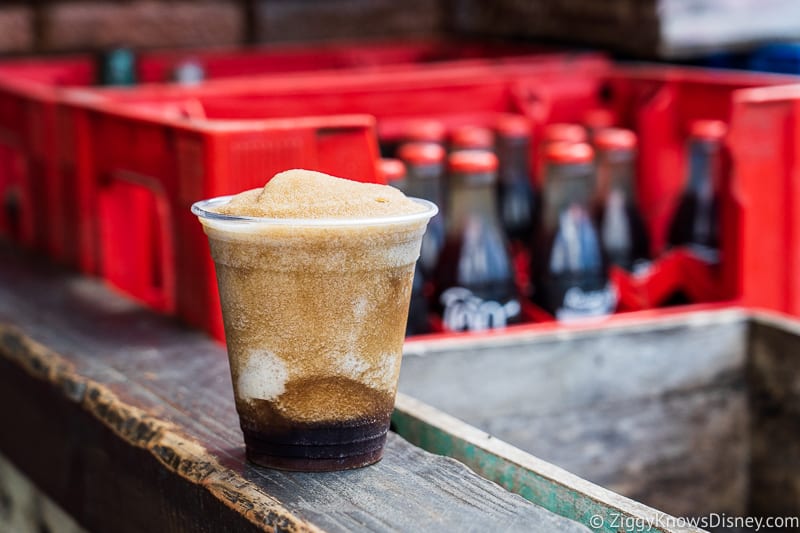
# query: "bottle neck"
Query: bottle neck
{"points": [[615, 173], [704, 163], [425, 181], [116, 67], [567, 185], [514, 157], [471, 196]]}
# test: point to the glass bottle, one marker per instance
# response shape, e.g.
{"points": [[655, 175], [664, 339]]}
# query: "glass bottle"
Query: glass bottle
{"points": [[474, 279], [394, 172], [116, 66], [516, 196], [569, 274], [559, 132], [623, 235], [471, 137], [596, 120], [418, 309], [424, 165], [563, 132], [188, 72], [393, 135], [425, 130], [424, 179], [695, 222]]}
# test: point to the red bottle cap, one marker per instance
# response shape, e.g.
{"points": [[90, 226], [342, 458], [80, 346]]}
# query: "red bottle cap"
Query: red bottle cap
{"points": [[513, 126], [711, 130], [561, 132], [599, 117], [473, 137], [615, 139], [467, 161], [425, 131], [566, 152], [392, 169], [421, 153]]}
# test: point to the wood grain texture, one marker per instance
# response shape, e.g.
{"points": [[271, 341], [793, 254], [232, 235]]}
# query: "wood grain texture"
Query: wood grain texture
{"points": [[127, 421], [537, 480], [775, 400], [658, 413]]}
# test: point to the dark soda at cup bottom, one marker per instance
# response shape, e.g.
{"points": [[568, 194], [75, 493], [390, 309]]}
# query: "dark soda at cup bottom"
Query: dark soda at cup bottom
{"points": [[317, 446]]}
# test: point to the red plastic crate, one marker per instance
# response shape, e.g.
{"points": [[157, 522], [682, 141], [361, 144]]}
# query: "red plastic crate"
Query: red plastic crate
{"points": [[657, 102], [140, 189], [481, 89], [122, 143], [765, 180], [30, 89]]}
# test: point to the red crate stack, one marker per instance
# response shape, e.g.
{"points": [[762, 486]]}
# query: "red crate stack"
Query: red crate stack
{"points": [[658, 103], [30, 90], [129, 163], [182, 145]]}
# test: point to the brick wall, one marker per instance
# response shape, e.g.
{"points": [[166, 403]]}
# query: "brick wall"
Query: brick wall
{"points": [[16, 28], [82, 24], [52, 26], [309, 20]]}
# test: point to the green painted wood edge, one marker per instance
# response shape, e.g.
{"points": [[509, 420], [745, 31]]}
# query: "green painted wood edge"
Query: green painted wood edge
{"points": [[539, 489]]}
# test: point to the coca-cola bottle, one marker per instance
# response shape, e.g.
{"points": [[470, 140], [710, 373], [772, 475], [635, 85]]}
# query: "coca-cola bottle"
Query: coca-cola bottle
{"points": [[559, 132], [474, 279], [563, 132], [425, 130], [424, 164], [424, 179], [418, 309], [394, 172], [696, 220], [415, 130], [597, 119], [188, 72], [570, 279], [116, 66], [516, 197], [622, 231], [471, 137]]}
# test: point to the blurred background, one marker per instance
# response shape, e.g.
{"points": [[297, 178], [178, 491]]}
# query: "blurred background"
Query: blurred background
{"points": [[630, 162], [675, 29]]}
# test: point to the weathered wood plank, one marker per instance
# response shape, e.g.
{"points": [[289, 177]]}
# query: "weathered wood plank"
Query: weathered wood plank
{"points": [[775, 401], [680, 454], [539, 481], [658, 412], [127, 421]]}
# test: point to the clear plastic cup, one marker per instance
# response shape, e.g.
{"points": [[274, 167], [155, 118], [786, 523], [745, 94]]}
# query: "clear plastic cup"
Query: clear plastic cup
{"points": [[315, 315]]}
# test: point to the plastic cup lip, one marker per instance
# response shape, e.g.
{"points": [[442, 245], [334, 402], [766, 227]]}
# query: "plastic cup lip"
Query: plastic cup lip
{"points": [[201, 210]]}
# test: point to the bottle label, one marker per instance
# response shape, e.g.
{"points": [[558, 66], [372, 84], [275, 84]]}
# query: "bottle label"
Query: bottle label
{"points": [[579, 303], [464, 311]]}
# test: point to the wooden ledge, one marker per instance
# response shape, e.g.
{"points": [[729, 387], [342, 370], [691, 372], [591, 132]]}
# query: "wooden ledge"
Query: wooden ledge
{"points": [[127, 421]]}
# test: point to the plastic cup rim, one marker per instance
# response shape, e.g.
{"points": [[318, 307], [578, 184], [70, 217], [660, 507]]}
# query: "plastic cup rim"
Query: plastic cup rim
{"points": [[201, 210]]}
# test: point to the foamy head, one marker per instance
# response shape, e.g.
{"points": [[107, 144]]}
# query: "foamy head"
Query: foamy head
{"points": [[305, 194]]}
